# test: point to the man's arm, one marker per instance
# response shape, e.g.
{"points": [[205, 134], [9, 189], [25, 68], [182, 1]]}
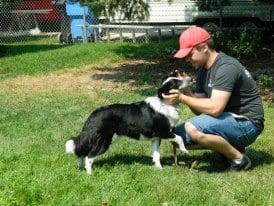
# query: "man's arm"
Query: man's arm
{"points": [[197, 95], [214, 105]]}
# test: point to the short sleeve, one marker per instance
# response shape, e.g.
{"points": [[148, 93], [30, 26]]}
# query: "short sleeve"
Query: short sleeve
{"points": [[226, 77]]}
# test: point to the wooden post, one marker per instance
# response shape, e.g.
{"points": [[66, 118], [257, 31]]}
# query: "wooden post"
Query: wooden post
{"points": [[159, 35], [85, 39], [108, 35], [146, 36], [173, 32], [133, 36], [95, 34], [121, 35]]}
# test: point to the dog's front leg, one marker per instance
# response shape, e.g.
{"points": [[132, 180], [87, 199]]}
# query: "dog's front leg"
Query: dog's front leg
{"points": [[88, 164], [177, 139], [156, 152], [174, 145]]}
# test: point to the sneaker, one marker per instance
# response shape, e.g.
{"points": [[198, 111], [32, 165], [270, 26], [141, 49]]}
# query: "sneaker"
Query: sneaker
{"points": [[241, 149], [244, 165]]}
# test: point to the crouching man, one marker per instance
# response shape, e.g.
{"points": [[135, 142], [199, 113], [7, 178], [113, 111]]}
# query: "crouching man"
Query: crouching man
{"points": [[229, 109]]}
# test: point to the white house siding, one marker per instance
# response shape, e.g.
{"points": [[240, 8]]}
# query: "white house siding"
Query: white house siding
{"points": [[161, 11], [176, 11], [183, 11]]}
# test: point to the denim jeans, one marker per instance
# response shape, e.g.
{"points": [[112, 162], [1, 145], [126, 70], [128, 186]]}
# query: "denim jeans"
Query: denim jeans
{"points": [[238, 132]]}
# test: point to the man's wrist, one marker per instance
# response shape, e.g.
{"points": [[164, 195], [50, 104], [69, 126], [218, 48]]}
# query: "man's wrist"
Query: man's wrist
{"points": [[181, 98]]}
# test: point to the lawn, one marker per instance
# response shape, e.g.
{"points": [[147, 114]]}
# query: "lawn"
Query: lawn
{"points": [[47, 92]]}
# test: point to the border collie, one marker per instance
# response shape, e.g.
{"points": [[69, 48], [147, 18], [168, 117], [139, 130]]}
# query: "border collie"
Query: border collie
{"points": [[152, 119]]}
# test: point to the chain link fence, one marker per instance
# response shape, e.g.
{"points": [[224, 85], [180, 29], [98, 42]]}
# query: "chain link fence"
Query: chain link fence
{"points": [[70, 21]]}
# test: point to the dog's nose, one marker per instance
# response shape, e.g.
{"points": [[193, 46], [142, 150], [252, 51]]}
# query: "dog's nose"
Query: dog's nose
{"points": [[189, 79]]}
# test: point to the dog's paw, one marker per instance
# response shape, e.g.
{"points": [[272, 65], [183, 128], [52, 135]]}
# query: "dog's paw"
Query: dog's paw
{"points": [[89, 172], [185, 152], [158, 166]]}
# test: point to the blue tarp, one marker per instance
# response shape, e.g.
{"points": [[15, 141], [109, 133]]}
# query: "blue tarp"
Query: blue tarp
{"points": [[80, 16]]}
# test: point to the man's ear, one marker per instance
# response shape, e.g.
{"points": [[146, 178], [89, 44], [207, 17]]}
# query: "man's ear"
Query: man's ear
{"points": [[205, 47]]}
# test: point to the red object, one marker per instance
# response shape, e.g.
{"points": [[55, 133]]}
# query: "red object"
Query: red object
{"points": [[52, 16], [189, 38]]}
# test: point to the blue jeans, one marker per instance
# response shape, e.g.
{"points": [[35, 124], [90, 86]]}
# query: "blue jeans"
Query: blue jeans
{"points": [[238, 132]]}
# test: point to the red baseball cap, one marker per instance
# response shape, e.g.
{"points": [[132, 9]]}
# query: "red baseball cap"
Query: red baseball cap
{"points": [[189, 38]]}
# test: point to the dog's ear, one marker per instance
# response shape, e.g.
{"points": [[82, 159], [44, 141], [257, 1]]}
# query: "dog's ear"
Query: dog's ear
{"points": [[171, 74], [177, 73], [160, 93], [164, 89], [180, 74]]}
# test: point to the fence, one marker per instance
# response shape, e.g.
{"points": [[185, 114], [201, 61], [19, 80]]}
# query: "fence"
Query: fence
{"points": [[68, 22]]}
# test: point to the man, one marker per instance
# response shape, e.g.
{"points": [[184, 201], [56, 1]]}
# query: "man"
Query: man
{"points": [[229, 108]]}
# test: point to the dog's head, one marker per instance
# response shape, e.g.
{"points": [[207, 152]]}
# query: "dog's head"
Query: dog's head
{"points": [[175, 80]]}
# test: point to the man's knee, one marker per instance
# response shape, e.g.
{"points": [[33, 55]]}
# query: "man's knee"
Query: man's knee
{"points": [[193, 132]]}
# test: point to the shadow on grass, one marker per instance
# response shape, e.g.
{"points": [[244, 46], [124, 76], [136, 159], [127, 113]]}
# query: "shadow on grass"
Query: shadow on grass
{"points": [[122, 159], [23, 39], [14, 50], [159, 62], [148, 74], [208, 161], [213, 162], [27, 44], [185, 161], [259, 157]]}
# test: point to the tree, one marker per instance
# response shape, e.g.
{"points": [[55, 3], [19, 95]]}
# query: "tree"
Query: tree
{"points": [[5, 8], [7, 5], [126, 10]]}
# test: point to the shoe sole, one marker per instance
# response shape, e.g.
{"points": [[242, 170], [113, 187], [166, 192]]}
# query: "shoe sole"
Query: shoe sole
{"points": [[248, 164]]}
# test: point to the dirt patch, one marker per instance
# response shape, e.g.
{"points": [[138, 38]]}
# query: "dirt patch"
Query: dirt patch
{"points": [[51, 82], [112, 79], [130, 76]]}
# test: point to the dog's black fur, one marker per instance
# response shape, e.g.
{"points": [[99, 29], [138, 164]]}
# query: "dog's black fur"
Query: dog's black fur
{"points": [[134, 120], [131, 120]]}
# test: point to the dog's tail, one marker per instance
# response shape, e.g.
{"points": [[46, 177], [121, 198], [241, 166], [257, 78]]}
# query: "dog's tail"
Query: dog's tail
{"points": [[70, 146]]}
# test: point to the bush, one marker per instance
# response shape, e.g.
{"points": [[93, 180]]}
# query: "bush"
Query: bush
{"points": [[240, 43], [3, 50], [265, 81]]}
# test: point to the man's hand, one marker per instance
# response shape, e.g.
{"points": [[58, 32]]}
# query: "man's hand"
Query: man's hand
{"points": [[173, 97]]}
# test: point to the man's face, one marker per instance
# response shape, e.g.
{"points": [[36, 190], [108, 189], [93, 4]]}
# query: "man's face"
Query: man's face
{"points": [[197, 56]]}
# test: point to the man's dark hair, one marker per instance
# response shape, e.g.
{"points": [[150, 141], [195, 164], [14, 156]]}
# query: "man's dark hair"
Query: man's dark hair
{"points": [[210, 43]]}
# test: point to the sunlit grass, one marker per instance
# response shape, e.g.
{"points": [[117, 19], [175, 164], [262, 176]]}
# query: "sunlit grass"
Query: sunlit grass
{"points": [[36, 59], [34, 126]]}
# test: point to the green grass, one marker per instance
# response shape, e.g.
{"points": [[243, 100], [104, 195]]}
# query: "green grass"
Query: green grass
{"points": [[37, 59], [35, 170]]}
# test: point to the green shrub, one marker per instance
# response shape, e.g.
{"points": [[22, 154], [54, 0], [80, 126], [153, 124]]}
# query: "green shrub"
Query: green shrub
{"points": [[264, 81], [240, 43], [3, 50]]}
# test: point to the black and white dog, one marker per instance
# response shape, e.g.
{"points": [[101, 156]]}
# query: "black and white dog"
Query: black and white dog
{"points": [[152, 119]]}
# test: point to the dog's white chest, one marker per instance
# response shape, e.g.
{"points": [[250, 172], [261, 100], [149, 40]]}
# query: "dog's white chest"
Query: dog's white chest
{"points": [[169, 111]]}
